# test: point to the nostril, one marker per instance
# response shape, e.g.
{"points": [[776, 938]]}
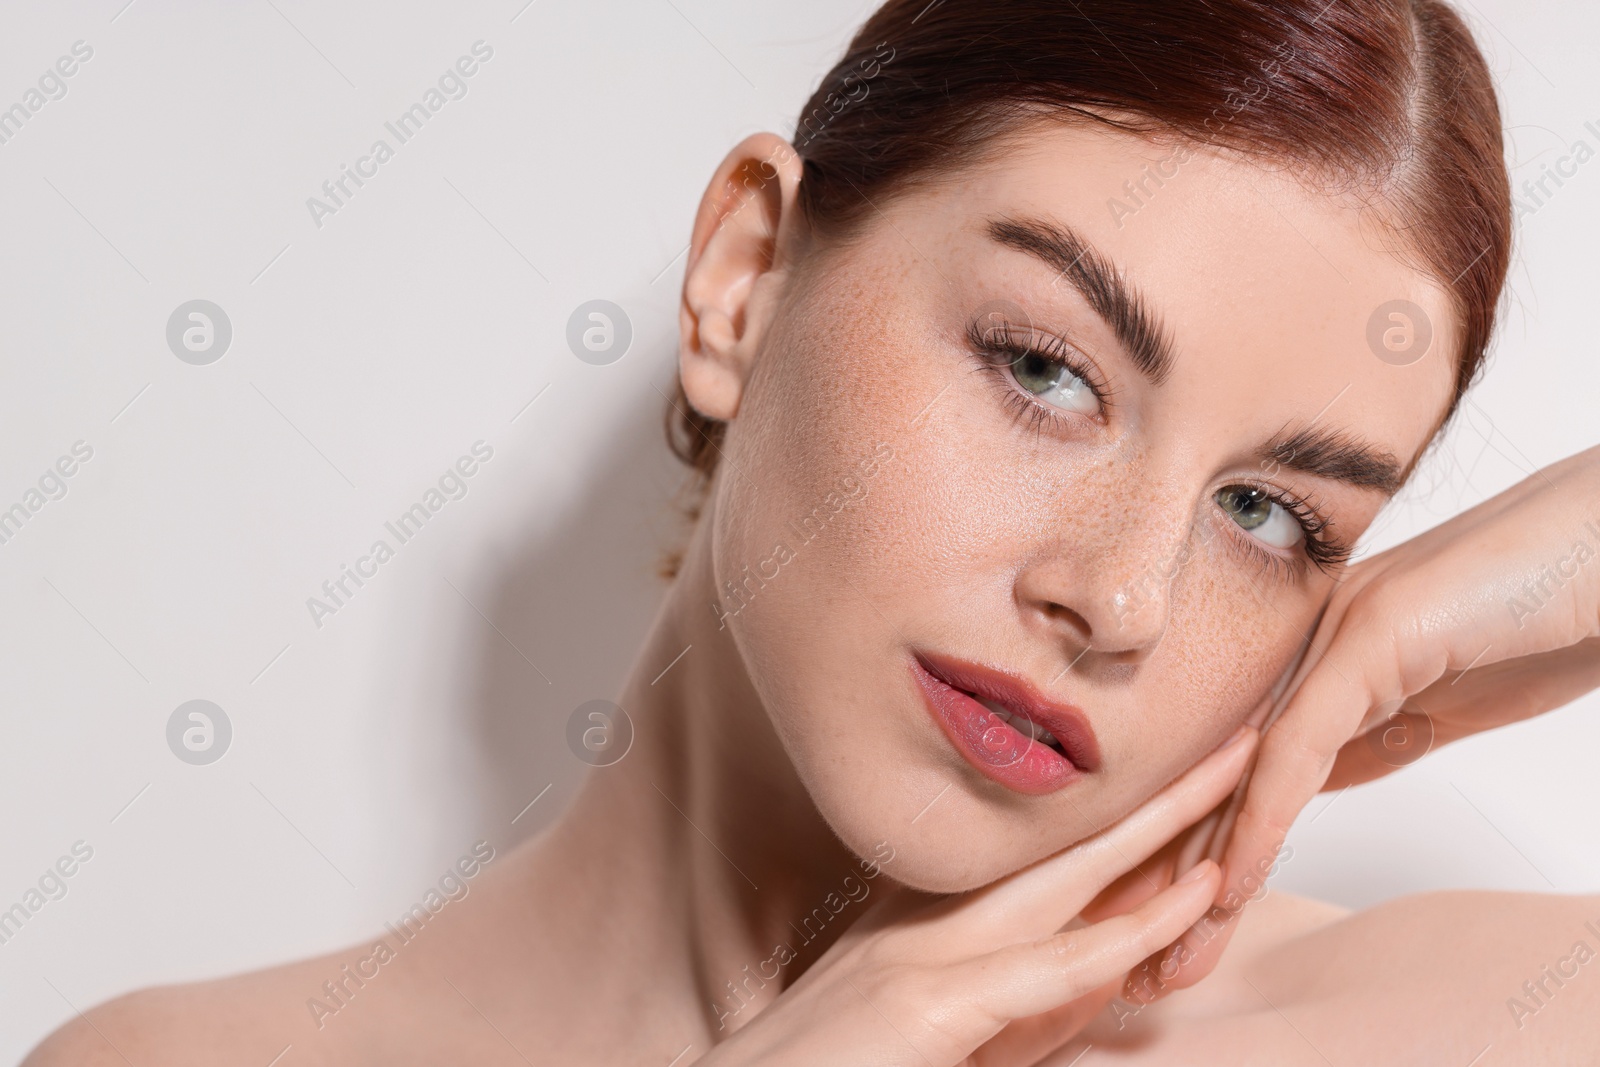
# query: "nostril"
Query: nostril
{"points": [[1061, 614]]}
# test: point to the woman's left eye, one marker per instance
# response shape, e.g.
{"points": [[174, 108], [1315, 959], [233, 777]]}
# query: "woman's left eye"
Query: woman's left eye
{"points": [[1261, 516], [1054, 383]]}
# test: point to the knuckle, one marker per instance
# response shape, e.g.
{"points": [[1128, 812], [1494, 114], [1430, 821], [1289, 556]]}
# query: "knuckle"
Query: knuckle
{"points": [[1059, 946], [1293, 751], [1260, 828], [1266, 822], [1382, 633], [1148, 923], [880, 957], [950, 1024], [890, 987]]}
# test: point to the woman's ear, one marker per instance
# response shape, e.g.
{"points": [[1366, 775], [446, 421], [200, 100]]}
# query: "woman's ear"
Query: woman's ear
{"points": [[734, 270]]}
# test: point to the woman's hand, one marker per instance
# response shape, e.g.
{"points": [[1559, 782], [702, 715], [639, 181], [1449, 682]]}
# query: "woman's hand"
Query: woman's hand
{"points": [[991, 977], [1487, 619]]}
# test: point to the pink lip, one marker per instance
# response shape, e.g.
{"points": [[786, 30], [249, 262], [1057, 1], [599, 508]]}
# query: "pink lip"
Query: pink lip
{"points": [[994, 746]]}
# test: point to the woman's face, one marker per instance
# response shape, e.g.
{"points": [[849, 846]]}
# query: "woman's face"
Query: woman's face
{"points": [[1036, 423]]}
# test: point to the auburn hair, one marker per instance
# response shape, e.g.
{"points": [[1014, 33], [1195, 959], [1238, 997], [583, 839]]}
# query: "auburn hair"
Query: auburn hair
{"points": [[1390, 97]]}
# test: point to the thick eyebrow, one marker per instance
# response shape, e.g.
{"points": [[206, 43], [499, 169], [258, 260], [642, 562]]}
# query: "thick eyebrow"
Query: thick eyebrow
{"points": [[1324, 453], [1336, 455], [1122, 307]]}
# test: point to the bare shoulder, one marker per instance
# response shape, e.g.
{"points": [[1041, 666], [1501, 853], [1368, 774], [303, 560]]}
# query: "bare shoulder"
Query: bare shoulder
{"points": [[176, 1024], [387, 1000], [248, 1018], [1489, 948], [1511, 977], [1449, 977], [375, 1002]]}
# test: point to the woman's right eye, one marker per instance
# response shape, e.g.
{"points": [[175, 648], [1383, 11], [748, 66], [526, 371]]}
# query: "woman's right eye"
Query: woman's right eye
{"points": [[1054, 382]]}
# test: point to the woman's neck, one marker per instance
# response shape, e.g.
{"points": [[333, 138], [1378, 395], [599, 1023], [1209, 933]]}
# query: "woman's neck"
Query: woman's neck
{"points": [[717, 855]]}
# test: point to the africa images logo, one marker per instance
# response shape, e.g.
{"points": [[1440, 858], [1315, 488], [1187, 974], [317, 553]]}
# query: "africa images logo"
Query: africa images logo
{"points": [[451, 85]]}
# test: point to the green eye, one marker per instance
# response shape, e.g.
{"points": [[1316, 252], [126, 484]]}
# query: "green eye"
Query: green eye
{"points": [[1054, 383], [1260, 516]]}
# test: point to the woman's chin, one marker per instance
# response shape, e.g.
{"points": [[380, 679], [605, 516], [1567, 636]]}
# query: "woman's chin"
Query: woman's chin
{"points": [[932, 862], [933, 869]]}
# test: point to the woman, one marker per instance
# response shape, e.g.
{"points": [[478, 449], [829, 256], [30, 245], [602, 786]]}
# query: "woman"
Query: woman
{"points": [[1041, 390]]}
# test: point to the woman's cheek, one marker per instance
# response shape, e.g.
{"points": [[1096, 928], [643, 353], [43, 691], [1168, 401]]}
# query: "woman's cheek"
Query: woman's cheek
{"points": [[833, 426], [821, 423], [1235, 630]]}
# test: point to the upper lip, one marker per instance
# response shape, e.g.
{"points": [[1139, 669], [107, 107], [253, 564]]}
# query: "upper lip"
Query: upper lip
{"points": [[1019, 696]]}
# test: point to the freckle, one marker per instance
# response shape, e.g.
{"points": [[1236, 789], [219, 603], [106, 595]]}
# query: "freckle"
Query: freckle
{"points": [[1231, 642]]}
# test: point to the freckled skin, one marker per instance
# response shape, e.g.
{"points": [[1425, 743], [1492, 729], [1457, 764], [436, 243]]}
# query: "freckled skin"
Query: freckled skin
{"points": [[1000, 543]]}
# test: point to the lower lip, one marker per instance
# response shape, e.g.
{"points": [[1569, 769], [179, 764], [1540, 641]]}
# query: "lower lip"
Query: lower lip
{"points": [[992, 745]]}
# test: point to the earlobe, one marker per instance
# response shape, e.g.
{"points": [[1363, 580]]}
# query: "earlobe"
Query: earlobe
{"points": [[748, 214]]}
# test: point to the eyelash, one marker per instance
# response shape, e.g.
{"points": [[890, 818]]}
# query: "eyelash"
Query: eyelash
{"points": [[999, 347], [1320, 548]]}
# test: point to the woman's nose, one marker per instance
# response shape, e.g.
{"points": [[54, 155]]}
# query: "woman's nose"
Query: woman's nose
{"points": [[1109, 590]]}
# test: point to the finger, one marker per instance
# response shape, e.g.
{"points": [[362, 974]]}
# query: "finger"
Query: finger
{"points": [[1174, 859], [1209, 837], [1228, 818], [1028, 979], [1041, 899], [1216, 932], [1398, 741], [1492, 694], [1031, 1040], [1135, 887], [1296, 756], [1463, 703], [891, 904]]}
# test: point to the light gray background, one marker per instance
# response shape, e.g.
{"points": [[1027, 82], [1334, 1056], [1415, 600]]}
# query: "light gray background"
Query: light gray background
{"points": [[370, 352]]}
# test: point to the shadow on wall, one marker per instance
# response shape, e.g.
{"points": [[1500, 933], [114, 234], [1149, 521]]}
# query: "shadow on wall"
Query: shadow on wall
{"points": [[579, 602]]}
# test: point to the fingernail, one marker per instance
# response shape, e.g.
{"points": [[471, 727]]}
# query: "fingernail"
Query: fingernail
{"points": [[1236, 735], [1197, 872]]}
